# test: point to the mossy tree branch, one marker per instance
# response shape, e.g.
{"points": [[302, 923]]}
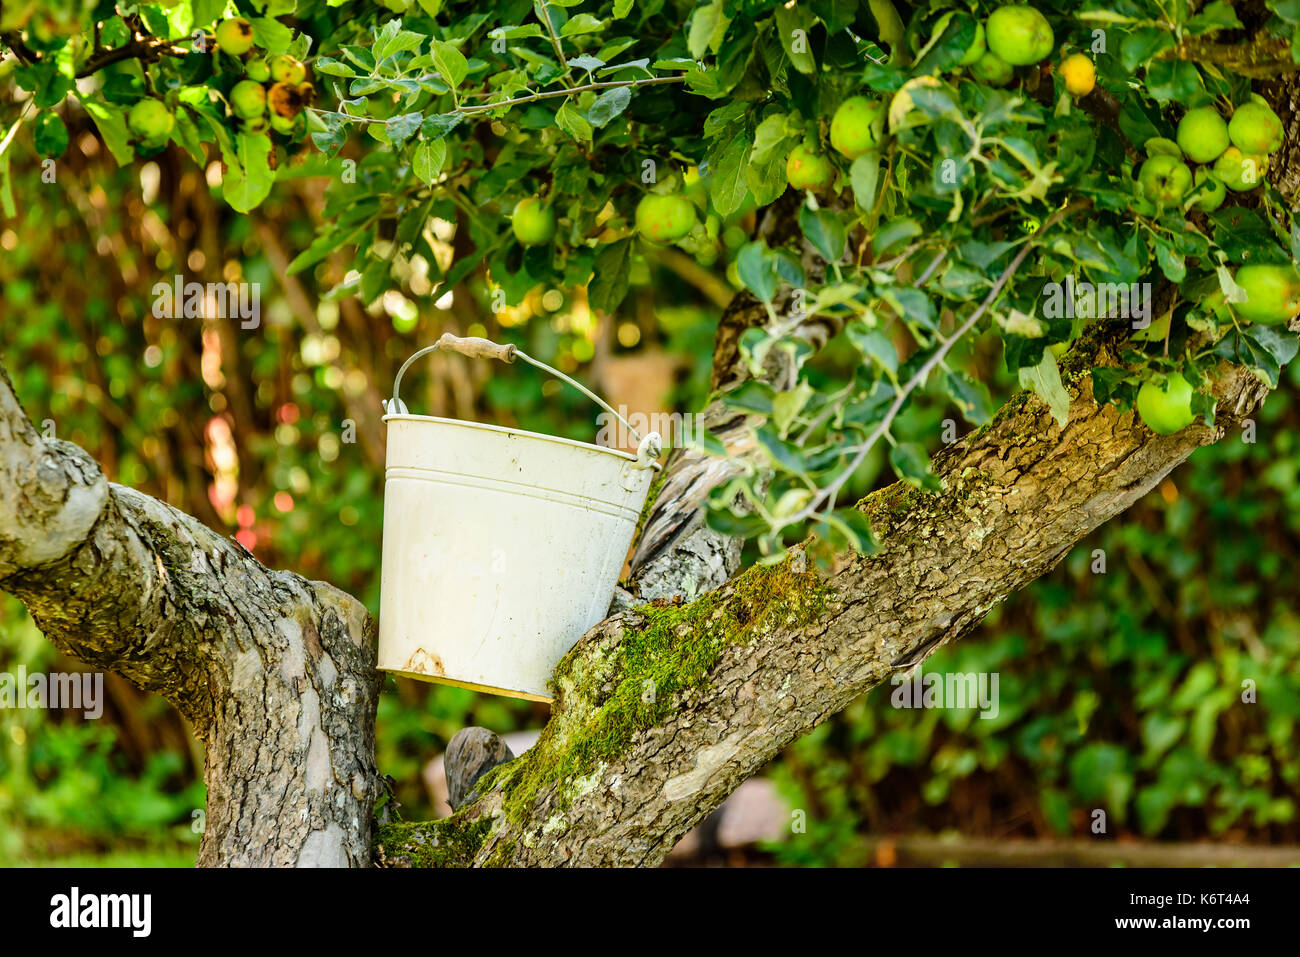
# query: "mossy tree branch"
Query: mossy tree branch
{"points": [[1259, 58]]}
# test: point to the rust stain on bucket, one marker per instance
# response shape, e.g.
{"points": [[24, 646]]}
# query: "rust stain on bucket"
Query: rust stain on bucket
{"points": [[426, 664]]}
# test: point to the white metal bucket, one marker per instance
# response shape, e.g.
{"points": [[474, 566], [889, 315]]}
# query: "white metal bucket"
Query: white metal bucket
{"points": [[501, 547]]}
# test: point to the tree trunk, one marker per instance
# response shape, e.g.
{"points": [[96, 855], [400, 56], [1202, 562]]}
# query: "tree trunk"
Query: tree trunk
{"points": [[275, 673]]}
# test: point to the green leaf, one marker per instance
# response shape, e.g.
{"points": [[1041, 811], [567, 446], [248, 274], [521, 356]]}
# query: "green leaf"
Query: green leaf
{"points": [[570, 119], [7, 204], [707, 28], [728, 165], [970, 396], [751, 396], [45, 82], [770, 136], [51, 135], [402, 128], [894, 232], [784, 456], [610, 273], [756, 267], [185, 134], [1218, 15], [825, 231], [1142, 45], [450, 62], [873, 344], [1106, 381], [1262, 349], [727, 522], [787, 405], [114, 32], [331, 67], [793, 24], [271, 35], [582, 23], [608, 105], [249, 181], [428, 158], [1045, 380], [111, 123], [1173, 80], [912, 465], [854, 525], [863, 175], [438, 125]]}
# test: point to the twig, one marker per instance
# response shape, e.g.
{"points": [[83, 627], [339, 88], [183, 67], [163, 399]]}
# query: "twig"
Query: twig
{"points": [[829, 493], [14, 41], [544, 9], [552, 94], [530, 98], [143, 49]]}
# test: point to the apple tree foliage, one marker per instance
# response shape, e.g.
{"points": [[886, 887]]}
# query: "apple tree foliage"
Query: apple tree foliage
{"points": [[974, 206]]}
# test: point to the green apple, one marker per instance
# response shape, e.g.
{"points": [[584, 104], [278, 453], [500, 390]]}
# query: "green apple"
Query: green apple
{"points": [[255, 124], [1166, 407], [976, 49], [1202, 134], [533, 222], [1273, 291], [257, 71], [854, 125], [235, 36], [1212, 197], [1255, 129], [1019, 35], [806, 169], [247, 99], [284, 124], [1158, 144], [1240, 171], [287, 69], [664, 218], [992, 70], [150, 120], [1164, 179]]}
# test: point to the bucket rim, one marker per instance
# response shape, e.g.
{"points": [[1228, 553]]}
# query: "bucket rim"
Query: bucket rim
{"points": [[559, 440]]}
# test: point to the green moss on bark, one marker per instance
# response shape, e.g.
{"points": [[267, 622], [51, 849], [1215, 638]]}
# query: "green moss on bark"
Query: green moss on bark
{"points": [[449, 842], [621, 688]]}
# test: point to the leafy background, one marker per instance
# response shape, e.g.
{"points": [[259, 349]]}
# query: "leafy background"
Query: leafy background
{"points": [[1119, 690]]}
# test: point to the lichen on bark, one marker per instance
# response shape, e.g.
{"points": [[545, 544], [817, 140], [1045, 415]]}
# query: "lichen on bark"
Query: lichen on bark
{"points": [[644, 668]]}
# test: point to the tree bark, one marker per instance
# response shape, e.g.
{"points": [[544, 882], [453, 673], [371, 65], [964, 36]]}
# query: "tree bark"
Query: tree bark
{"points": [[275, 673]]}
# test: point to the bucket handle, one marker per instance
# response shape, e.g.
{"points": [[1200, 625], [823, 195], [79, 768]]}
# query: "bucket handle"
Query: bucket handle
{"points": [[648, 448]]}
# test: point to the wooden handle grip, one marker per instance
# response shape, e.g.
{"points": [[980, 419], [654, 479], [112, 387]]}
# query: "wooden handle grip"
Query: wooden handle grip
{"points": [[476, 348]]}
